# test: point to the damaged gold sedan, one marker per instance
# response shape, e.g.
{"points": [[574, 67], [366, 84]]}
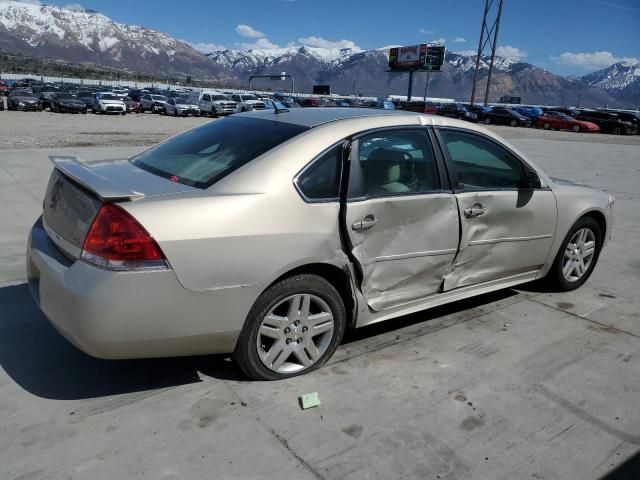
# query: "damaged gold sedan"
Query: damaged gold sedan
{"points": [[267, 234]]}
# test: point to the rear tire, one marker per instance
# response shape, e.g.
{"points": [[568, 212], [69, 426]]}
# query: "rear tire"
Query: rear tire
{"points": [[277, 302], [487, 121], [558, 278], [513, 123], [546, 126]]}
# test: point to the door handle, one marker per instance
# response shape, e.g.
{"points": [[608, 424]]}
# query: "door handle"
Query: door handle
{"points": [[365, 224], [475, 211]]}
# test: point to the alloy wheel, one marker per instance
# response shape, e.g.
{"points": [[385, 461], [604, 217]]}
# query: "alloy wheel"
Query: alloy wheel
{"points": [[295, 333], [579, 254]]}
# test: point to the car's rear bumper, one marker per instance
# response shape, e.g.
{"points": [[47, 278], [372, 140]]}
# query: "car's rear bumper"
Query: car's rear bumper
{"points": [[110, 314]]}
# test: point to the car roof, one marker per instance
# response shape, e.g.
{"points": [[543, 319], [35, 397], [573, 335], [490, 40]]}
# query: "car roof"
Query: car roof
{"points": [[311, 117]]}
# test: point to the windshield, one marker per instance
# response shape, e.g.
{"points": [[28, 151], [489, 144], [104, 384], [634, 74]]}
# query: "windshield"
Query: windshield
{"points": [[108, 96], [181, 101], [159, 98], [204, 155], [218, 97], [64, 96], [249, 97]]}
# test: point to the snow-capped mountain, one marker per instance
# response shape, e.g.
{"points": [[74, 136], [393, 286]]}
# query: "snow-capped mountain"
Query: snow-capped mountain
{"points": [[89, 36], [86, 36], [618, 76], [622, 79]]}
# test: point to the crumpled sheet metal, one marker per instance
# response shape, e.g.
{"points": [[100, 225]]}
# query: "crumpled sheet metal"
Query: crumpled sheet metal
{"points": [[406, 254]]}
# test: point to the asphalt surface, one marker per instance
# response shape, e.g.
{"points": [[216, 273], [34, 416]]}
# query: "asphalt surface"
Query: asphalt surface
{"points": [[518, 384]]}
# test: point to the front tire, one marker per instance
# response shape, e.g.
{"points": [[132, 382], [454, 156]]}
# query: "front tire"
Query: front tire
{"points": [[576, 128], [294, 327], [546, 126], [513, 123], [487, 121], [577, 256]]}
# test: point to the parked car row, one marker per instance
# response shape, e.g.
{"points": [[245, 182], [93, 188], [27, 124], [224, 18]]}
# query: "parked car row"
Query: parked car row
{"points": [[549, 118], [30, 95]]}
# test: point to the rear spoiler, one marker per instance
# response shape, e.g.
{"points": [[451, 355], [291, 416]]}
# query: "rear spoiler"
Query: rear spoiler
{"points": [[106, 189]]}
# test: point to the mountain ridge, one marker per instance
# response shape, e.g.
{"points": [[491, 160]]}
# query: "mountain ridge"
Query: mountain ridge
{"points": [[82, 35]]}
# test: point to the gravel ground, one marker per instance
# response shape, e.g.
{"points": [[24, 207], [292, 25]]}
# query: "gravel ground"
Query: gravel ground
{"points": [[26, 130]]}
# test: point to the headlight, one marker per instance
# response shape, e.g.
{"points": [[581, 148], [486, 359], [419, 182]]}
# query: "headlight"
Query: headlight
{"points": [[612, 200]]}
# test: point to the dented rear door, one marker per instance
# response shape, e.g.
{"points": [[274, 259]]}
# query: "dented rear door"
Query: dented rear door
{"points": [[403, 226]]}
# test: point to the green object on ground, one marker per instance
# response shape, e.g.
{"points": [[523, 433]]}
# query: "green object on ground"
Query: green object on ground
{"points": [[309, 400]]}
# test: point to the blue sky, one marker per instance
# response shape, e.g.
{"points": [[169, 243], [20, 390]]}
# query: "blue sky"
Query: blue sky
{"points": [[564, 36]]}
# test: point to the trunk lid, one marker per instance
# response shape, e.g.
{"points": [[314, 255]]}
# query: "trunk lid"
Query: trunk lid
{"points": [[76, 191]]}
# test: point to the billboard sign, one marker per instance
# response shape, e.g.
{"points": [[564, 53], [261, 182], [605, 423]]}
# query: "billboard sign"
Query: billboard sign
{"points": [[407, 58], [416, 57], [322, 89]]}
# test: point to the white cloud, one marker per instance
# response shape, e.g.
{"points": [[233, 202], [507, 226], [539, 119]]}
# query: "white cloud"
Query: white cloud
{"points": [[467, 53], [439, 41], [459, 40], [205, 47], [259, 44], [73, 6], [249, 32], [427, 32], [590, 60], [320, 42], [510, 52]]}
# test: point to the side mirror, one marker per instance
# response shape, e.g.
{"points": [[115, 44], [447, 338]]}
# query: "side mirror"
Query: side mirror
{"points": [[531, 180]]}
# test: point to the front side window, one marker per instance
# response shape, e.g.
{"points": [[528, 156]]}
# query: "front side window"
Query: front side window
{"points": [[395, 162], [320, 181], [480, 164], [204, 155], [206, 97]]}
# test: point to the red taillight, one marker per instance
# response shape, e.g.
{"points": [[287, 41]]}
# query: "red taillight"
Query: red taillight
{"points": [[116, 240]]}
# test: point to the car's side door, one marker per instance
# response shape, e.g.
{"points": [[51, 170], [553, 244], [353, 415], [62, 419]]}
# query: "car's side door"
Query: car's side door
{"points": [[400, 216], [508, 217]]}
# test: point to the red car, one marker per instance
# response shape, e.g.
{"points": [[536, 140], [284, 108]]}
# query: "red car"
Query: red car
{"points": [[419, 106], [317, 102], [562, 121], [131, 105], [4, 88]]}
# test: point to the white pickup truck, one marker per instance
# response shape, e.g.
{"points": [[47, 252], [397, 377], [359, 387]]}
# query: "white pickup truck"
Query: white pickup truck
{"points": [[247, 102], [216, 104]]}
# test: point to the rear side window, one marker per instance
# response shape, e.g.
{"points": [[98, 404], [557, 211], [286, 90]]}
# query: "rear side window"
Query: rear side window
{"points": [[320, 181], [204, 155]]}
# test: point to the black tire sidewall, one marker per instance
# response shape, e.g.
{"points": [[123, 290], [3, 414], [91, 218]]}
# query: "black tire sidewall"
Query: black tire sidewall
{"points": [[556, 270], [246, 354]]}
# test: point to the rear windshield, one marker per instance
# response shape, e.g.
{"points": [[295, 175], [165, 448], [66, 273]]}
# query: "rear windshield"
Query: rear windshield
{"points": [[202, 156]]}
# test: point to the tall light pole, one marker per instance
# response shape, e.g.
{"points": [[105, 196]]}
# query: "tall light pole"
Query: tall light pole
{"points": [[488, 36]]}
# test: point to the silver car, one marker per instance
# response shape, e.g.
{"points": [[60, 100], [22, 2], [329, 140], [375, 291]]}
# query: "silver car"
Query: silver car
{"points": [[267, 234], [181, 107]]}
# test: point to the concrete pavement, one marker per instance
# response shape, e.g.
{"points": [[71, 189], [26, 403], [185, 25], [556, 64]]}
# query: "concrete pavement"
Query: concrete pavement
{"points": [[515, 384]]}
